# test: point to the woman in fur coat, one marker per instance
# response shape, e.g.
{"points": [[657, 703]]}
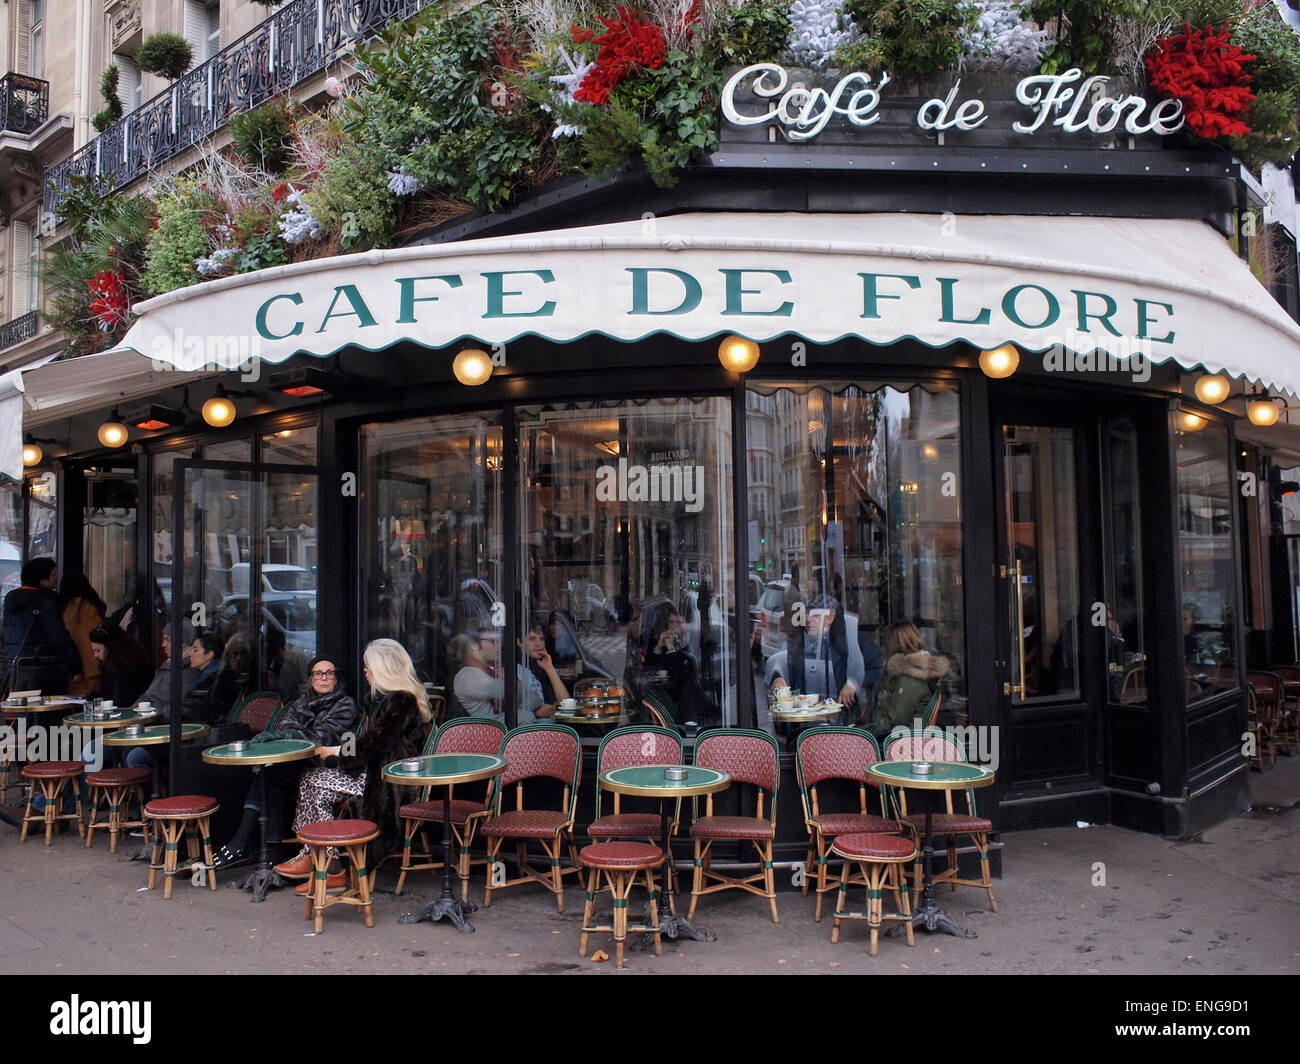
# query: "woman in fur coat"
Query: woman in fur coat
{"points": [[911, 675]]}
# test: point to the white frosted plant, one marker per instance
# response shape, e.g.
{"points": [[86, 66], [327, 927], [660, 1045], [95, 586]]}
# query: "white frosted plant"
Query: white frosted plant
{"points": [[1002, 40], [817, 29], [400, 183], [568, 82], [297, 226], [215, 264]]}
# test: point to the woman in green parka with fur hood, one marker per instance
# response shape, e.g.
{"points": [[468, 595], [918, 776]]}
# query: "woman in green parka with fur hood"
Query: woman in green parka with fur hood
{"points": [[911, 675]]}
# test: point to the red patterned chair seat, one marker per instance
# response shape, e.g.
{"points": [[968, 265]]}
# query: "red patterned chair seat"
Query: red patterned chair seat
{"points": [[874, 846], [950, 823], [118, 777], [53, 769], [732, 827], [461, 810], [634, 855], [526, 824], [848, 823], [626, 825], [338, 832], [181, 805]]}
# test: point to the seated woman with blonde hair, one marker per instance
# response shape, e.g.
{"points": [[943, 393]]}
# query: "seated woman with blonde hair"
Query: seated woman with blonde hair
{"points": [[393, 730], [911, 675]]}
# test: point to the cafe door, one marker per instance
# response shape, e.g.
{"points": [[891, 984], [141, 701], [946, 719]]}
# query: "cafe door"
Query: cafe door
{"points": [[1051, 609], [246, 542]]}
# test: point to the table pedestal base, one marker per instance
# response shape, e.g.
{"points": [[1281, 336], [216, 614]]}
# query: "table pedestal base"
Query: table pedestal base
{"points": [[451, 908], [932, 918], [674, 927], [259, 881]]}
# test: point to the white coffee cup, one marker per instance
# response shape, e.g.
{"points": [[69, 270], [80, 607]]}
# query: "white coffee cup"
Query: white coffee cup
{"points": [[145, 707], [785, 704], [569, 704], [107, 704], [782, 692]]}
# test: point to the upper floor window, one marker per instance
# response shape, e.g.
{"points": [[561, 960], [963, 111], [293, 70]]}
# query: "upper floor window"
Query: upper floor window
{"points": [[29, 44]]}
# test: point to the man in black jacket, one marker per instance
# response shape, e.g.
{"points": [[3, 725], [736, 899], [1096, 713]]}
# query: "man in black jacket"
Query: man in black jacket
{"points": [[33, 625]]}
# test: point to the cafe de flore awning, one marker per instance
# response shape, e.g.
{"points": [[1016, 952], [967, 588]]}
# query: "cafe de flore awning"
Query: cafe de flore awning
{"points": [[1170, 289]]}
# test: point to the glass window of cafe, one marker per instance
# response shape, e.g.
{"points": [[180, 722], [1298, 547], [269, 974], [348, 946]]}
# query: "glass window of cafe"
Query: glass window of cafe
{"points": [[626, 564], [431, 550], [11, 537], [1209, 578], [854, 523]]}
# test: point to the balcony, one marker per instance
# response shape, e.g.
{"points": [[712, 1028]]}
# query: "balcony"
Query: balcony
{"points": [[292, 45], [18, 329], [24, 103]]}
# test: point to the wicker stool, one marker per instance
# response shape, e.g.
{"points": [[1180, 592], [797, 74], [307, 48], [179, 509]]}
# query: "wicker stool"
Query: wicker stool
{"points": [[52, 777], [118, 786], [879, 860], [185, 814], [619, 862], [349, 835]]}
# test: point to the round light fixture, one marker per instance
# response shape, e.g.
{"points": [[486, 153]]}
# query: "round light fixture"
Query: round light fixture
{"points": [[472, 367], [1263, 411], [738, 354], [1212, 389], [1000, 362], [112, 433], [32, 453], [334, 86], [1189, 422], [219, 411]]}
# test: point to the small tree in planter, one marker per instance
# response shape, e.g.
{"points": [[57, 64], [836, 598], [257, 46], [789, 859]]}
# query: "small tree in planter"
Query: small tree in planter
{"points": [[112, 103], [165, 54]]}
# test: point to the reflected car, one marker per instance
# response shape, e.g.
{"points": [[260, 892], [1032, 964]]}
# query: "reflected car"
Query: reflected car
{"points": [[275, 577], [771, 611], [291, 613]]}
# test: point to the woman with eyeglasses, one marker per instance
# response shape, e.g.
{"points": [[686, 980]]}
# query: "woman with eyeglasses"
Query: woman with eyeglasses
{"points": [[325, 714]]}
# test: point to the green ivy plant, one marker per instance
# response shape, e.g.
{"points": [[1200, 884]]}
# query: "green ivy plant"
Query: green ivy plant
{"points": [[264, 136], [351, 198], [1086, 32], [911, 38], [179, 238], [753, 32]]}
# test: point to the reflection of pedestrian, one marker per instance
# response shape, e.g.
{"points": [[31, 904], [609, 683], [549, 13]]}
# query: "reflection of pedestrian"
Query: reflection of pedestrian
{"points": [[1191, 644], [911, 675], [792, 610]]}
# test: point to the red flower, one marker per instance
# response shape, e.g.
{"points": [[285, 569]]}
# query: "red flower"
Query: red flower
{"points": [[1208, 75], [279, 192], [626, 46], [110, 306]]}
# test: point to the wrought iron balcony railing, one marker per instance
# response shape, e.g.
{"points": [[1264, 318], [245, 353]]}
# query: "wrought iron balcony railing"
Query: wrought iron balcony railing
{"points": [[291, 45], [24, 103], [18, 329]]}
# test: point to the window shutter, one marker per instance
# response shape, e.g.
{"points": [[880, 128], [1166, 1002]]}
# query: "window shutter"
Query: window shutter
{"points": [[22, 261], [128, 82], [196, 30], [23, 39]]}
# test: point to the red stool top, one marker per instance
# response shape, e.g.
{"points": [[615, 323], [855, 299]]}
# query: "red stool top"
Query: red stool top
{"points": [[337, 832], [118, 777], [49, 769], [620, 854], [181, 805], [873, 846]]}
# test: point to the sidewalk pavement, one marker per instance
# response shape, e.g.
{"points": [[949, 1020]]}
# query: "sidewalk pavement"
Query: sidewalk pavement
{"points": [[1094, 900]]}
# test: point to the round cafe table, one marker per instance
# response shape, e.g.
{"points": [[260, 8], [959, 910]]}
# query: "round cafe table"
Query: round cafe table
{"points": [[649, 781], [119, 718], [946, 776], [445, 770], [12, 712], [152, 735], [259, 757]]}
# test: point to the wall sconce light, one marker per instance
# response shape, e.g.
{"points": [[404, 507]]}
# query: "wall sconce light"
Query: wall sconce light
{"points": [[1262, 410], [472, 367], [32, 453], [219, 411], [1000, 362], [1212, 389], [1189, 422], [738, 354], [112, 433]]}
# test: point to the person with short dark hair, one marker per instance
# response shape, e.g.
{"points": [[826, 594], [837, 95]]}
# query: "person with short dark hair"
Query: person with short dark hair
{"points": [[123, 664], [205, 666], [34, 629]]}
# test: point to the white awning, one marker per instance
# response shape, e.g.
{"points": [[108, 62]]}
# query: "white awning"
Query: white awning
{"points": [[48, 390], [1163, 289]]}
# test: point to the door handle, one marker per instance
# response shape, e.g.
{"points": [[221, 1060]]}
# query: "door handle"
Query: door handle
{"points": [[1019, 688]]}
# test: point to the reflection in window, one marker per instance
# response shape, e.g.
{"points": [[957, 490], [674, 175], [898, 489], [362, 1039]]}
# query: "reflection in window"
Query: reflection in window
{"points": [[1205, 498], [11, 537], [855, 516], [42, 506], [164, 518], [108, 534], [627, 559], [1126, 657], [432, 548]]}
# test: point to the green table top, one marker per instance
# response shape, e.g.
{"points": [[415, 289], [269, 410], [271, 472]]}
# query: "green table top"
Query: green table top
{"points": [[271, 753], [650, 780], [120, 718], [446, 769], [947, 775], [156, 734]]}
